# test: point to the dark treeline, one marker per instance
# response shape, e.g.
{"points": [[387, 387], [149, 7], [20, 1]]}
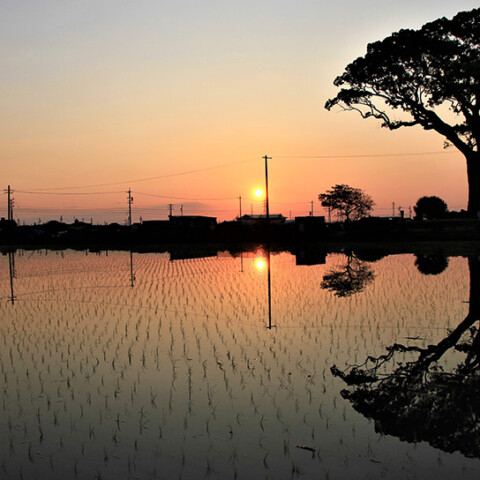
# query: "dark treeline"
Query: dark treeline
{"points": [[207, 231]]}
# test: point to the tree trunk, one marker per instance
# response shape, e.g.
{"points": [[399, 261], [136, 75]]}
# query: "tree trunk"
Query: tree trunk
{"points": [[473, 174], [474, 299]]}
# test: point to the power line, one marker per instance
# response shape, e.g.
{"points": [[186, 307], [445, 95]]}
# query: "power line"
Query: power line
{"points": [[183, 198], [67, 193], [70, 209], [411, 154], [187, 172], [112, 210], [289, 203], [224, 165], [121, 191]]}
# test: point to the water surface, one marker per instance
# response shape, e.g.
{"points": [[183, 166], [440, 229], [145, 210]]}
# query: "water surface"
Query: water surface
{"points": [[119, 365]]}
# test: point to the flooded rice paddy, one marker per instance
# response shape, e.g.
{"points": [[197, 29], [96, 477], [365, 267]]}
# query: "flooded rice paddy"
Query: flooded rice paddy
{"points": [[119, 365]]}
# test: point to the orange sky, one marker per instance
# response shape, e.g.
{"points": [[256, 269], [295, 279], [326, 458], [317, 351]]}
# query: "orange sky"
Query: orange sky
{"points": [[112, 92]]}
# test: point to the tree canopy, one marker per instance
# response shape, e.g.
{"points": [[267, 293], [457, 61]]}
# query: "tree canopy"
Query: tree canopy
{"points": [[419, 72], [430, 208], [352, 202]]}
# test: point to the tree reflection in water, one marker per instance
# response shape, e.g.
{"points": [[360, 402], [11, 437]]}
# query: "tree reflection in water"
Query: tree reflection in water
{"points": [[431, 264], [419, 400], [349, 279]]}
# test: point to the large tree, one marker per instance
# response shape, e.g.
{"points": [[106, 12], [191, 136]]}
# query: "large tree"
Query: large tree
{"points": [[352, 202], [420, 72], [430, 208]]}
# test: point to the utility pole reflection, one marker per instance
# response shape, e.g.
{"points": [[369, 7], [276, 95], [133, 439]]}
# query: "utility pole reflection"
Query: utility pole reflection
{"points": [[260, 264], [269, 292], [11, 268], [132, 273]]}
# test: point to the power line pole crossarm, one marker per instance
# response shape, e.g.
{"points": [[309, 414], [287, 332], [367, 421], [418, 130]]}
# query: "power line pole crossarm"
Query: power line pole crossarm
{"points": [[9, 192]]}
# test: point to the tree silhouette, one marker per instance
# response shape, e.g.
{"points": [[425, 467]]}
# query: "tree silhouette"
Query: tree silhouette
{"points": [[430, 208], [418, 400], [417, 71], [353, 203], [352, 278]]}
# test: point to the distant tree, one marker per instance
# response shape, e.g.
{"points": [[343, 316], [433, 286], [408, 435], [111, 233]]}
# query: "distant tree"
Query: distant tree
{"points": [[432, 74], [430, 208], [353, 203]]}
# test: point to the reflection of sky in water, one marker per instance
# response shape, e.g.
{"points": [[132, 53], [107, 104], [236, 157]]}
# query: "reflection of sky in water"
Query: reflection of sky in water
{"points": [[179, 374]]}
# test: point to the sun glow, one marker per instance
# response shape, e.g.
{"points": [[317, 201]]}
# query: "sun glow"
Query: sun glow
{"points": [[258, 192], [260, 263]]}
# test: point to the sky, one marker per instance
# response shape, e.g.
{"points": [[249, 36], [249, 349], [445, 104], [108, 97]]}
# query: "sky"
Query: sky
{"points": [[179, 101]]}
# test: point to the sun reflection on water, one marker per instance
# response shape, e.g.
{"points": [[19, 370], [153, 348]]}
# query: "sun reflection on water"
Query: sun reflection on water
{"points": [[260, 263]]}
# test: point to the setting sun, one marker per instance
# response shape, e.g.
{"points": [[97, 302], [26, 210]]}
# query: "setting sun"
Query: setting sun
{"points": [[258, 193]]}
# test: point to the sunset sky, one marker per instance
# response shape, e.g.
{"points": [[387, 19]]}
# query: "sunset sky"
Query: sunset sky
{"points": [[179, 100]]}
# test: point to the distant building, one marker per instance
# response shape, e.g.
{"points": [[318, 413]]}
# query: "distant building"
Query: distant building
{"points": [[192, 222], [189, 253], [309, 225], [77, 225], [7, 229], [7, 225], [251, 220], [151, 226], [310, 256]]}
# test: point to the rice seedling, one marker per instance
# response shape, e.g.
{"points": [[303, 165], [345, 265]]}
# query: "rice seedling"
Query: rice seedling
{"points": [[89, 366]]}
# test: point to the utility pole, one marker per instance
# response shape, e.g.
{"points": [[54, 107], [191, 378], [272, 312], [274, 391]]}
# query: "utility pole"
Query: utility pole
{"points": [[311, 210], [130, 201], [267, 204], [329, 214], [181, 210], [240, 201], [9, 203], [170, 205], [393, 209]]}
